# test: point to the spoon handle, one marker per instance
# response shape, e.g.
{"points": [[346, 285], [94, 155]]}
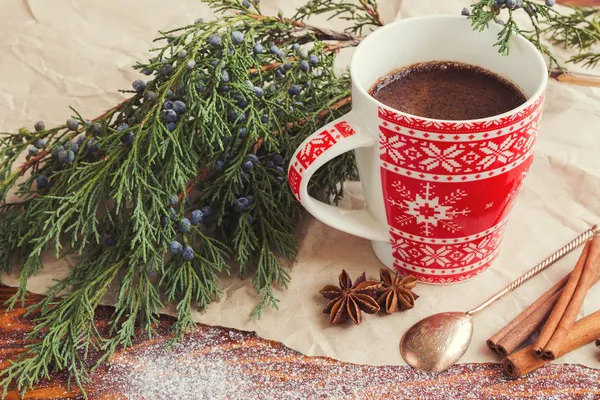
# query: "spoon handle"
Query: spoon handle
{"points": [[566, 249]]}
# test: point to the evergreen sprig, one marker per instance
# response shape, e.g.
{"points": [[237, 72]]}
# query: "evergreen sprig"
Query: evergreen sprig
{"points": [[183, 181], [578, 30]]}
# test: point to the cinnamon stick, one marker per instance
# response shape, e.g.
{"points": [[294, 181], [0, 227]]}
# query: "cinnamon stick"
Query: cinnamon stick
{"points": [[509, 338], [562, 303], [524, 361], [588, 276]]}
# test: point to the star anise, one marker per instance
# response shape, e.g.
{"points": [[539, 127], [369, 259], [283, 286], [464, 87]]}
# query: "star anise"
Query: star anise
{"points": [[395, 292], [349, 300]]}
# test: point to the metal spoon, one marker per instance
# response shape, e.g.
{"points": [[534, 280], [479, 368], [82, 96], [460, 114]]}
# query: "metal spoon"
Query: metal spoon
{"points": [[436, 343]]}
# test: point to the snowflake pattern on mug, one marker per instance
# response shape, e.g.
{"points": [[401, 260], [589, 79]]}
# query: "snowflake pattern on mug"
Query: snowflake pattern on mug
{"points": [[427, 209]]}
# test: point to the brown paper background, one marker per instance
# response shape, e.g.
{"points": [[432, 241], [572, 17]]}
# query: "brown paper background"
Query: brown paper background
{"points": [[78, 52]]}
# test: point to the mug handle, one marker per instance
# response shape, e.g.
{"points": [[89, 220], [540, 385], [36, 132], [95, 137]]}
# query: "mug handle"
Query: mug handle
{"points": [[337, 137]]}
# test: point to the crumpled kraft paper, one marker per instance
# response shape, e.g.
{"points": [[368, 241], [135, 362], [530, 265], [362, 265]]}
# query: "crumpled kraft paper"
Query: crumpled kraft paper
{"points": [[79, 53]]}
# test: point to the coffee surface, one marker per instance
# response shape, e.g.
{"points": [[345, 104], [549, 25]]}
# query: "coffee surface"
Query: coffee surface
{"points": [[448, 91]]}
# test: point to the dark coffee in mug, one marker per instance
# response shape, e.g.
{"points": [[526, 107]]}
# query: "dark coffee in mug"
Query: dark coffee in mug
{"points": [[448, 91]]}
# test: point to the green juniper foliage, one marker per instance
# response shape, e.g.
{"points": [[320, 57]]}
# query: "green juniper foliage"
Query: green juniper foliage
{"points": [[181, 182], [578, 29]]}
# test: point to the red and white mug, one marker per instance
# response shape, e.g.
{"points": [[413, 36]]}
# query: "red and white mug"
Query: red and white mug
{"points": [[438, 193]]}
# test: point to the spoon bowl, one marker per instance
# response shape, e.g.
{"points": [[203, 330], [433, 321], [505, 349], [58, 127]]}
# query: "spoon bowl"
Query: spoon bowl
{"points": [[436, 343]]}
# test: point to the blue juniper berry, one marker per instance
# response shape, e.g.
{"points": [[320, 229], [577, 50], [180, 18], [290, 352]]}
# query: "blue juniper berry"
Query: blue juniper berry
{"points": [[173, 200], [280, 170], [139, 85], [92, 145], [57, 149], [199, 21], [80, 140], [258, 48], [196, 217], [168, 104], [206, 211], [164, 220], [170, 115], [214, 63], [313, 59], [304, 66], [39, 126], [280, 179], [42, 181], [175, 247], [294, 90], [499, 3], [278, 74], [171, 126], [241, 101], [287, 66], [519, 4], [264, 119], [510, 4], [223, 89], [179, 106], [247, 166], [214, 40], [33, 151], [73, 146], [172, 213], [242, 133], [147, 71], [269, 164], [122, 127], [278, 159], [465, 11], [170, 93], [280, 53], [259, 92], [243, 204], [96, 128], [250, 199], [188, 254], [150, 95], [70, 156], [237, 37], [295, 47], [128, 138], [499, 21], [252, 158], [166, 69], [230, 51], [246, 3], [219, 166], [274, 49], [40, 143], [72, 124], [184, 225], [225, 76], [550, 3]]}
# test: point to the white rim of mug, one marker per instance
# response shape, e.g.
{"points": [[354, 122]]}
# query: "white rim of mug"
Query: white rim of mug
{"points": [[532, 99]]}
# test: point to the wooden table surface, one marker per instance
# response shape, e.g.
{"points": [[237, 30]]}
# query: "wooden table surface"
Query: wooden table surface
{"points": [[216, 362]]}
